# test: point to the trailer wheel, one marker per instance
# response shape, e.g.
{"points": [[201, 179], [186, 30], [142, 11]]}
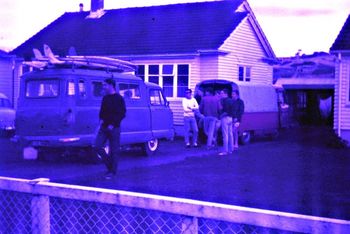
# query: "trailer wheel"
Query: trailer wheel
{"points": [[245, 138], [150, 147]]}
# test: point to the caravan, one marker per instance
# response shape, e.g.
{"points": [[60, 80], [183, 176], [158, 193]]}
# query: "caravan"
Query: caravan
{"points": [[264, 106]]}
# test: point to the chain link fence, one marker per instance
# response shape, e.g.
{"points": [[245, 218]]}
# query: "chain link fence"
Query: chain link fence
{"points": [[54, 208]]}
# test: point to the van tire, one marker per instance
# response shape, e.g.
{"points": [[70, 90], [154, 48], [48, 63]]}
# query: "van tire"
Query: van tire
{"points": [[245, 138], [150, 147]]}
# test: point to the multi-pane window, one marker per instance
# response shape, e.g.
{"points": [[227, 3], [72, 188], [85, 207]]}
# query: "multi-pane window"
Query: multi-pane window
{"points": [[244, 73], [174, 78]]}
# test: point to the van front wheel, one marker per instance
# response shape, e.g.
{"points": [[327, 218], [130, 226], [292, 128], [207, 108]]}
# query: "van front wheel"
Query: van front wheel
{"points": [[150, 147]]}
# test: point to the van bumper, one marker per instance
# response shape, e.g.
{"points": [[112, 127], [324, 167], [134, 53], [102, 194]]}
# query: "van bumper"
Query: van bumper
{"points": [[55, 141]]}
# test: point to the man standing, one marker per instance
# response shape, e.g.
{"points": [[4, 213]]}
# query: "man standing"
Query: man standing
{"points": [[210, 108], [112, 112], [190, 106], [238, 110], [226, 122]]}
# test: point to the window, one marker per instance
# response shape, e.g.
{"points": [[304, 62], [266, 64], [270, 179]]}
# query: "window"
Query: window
{"points": [[129, 91], [82, 88], [153, 74], [247, 73], [183, 79], [97, 88], [244, 73], [241, 73], [156, 98], [42, 88], [140, 72], [174, 78], [70, 88], [168, 80]]}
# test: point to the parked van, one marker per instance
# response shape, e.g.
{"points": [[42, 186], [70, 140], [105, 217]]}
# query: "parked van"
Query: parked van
{"points": [[263, 106], [7, 116], [58, 109]]}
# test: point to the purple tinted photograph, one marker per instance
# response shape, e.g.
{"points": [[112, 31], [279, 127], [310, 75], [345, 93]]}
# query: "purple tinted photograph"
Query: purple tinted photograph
{"points": [[174, 116]]}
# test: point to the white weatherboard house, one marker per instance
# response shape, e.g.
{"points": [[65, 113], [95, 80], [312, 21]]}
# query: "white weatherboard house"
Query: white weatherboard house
{"points": [[341, 48], [175, 46]]}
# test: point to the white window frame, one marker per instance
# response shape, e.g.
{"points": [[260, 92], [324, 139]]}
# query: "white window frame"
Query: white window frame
{"points": [[245, 71], [174, 74]]}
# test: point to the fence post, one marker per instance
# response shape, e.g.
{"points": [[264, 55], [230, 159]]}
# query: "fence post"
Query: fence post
{"points": [[189, 225], [40, 208]]}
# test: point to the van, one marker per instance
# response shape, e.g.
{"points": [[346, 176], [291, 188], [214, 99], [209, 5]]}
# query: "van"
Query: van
{"points": [[58, 109], [263, 106], [7, 116]]}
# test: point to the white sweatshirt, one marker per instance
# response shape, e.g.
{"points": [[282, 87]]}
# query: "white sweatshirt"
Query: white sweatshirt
{"points": [[189, 106]]}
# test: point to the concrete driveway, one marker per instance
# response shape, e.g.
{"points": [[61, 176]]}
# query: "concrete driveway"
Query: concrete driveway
{"points": [[300, 172]]}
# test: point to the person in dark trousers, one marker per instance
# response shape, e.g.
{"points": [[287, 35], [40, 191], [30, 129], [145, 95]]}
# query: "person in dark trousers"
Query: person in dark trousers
{"points": [[210, 108], [238, 110], [112, 112]]}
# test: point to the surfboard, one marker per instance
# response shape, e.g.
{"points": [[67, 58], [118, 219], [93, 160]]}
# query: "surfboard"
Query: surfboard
{"points": [[93, 62]]}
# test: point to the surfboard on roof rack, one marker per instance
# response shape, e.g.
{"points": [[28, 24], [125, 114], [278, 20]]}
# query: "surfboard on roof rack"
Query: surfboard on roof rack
{"points": [[87, 62]]}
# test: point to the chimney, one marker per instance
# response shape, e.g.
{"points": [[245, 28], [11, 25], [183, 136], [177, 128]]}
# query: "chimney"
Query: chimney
{"points": [[96, 5], [96, 9]]}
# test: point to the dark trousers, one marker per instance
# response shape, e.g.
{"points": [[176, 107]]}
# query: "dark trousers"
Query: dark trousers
{"points": [[113, 138]]}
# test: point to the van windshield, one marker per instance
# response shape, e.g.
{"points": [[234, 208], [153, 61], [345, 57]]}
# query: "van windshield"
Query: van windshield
{"points": [[42, 88]]}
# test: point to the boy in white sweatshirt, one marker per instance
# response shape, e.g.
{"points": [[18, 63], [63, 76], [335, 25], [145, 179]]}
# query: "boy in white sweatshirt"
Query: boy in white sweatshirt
{"points": [[190, 105]]}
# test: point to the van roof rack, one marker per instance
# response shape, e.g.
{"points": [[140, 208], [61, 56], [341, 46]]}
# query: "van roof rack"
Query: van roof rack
{"points": [[83, 62]]}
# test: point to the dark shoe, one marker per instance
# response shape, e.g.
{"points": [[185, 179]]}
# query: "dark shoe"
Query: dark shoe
{"points": [[109, 175], [195, 145], [188, 145]]}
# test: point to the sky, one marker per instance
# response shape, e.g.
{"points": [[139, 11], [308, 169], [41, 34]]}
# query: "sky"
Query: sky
{"points": [[289, 25]]}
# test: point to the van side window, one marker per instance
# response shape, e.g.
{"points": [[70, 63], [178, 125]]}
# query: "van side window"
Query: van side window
{"points": [[70, 88], [42, 88], [130, 91], [82, 88], [97, 88], [156, 97]]}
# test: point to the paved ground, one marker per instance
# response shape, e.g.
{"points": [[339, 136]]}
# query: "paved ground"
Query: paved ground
{"points": [[300, 172]]}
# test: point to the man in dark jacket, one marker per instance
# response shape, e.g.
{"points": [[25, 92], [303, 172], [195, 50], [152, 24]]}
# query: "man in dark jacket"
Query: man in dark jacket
{"points": [[238, 110], [112, 112]]}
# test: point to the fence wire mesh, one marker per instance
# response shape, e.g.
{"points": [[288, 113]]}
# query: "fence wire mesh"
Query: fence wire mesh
{"points": [[206, 226], [27, 213], [15, 212], [72, 216]]}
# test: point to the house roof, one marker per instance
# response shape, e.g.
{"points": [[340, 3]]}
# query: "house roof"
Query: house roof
{"points": [[170, 29], [342, 42]]}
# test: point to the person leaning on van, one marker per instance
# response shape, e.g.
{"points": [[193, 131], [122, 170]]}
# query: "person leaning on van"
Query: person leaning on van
{"points": [[190, 106], [112, 112]]}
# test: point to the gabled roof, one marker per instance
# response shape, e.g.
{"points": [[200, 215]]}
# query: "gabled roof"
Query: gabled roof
{"points": [[342, 42], [170, 29]]}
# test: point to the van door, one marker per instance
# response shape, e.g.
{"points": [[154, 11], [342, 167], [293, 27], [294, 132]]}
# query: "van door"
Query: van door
{"points": [[161, 115], [136, 126]]}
